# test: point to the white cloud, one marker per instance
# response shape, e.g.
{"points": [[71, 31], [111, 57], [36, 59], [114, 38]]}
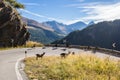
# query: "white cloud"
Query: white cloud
{"points": [[31, 4], [51, 18], [99, 12], [82, 5], [38, 15], [81, 0], [104, 12], [93, 11], [41, 16], [73, 21]]}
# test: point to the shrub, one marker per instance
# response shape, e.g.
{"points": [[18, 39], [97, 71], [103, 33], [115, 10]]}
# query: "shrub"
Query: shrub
{"points": [[32, 43], [74, 67]]}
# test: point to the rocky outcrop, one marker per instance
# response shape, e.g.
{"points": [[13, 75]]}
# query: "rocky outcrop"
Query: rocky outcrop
{"points": [[12, 30]]}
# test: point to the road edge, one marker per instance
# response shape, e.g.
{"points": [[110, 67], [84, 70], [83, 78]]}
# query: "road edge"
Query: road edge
{"points": [[19, 69]]}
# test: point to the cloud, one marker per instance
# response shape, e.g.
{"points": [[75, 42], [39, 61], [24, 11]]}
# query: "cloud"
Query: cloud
{"points": [[98, 11], [81, 0], [81, 5], [103, 12], [49, 18], [31, 4], [41, 16], [38, 15]]}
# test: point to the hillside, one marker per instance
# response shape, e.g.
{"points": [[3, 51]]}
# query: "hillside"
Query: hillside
{"points": [[41, 33], [102, 34]]}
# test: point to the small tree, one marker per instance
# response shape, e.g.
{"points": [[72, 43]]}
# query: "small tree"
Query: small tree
{"points": [[15, 4]]}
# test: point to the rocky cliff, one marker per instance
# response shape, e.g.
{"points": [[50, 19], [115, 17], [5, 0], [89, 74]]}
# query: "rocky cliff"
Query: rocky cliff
{"points": [[12, 30]]}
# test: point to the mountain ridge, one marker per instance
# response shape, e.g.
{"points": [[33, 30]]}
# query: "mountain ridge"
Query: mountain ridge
{"points": [[58, 27], [102, 34], [40, 33], [32, 22], [65, 29]]}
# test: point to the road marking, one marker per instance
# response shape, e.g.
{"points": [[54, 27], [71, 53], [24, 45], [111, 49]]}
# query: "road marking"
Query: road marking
{"points": [[19, 76]]}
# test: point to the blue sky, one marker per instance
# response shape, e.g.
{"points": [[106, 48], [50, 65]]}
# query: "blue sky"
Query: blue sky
{"points": [[71, 11]]}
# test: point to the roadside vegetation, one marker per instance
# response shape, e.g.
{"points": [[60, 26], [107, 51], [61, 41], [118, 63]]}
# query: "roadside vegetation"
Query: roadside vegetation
{"points": [[28, 44], [32, 43], [74, 67]]}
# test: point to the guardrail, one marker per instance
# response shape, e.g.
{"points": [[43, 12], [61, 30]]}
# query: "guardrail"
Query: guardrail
{"points": [[94, 49]]}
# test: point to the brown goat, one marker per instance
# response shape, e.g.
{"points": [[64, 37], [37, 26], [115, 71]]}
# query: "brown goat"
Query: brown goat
{"points": [[63, 55], [73, 53], [40, 55]]}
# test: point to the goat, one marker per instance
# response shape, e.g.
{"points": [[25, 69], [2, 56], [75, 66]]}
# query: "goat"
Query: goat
{"points": [[63, 49], [25, 54], [63, 55], [43, 47], [40, 55], [73, 53]]}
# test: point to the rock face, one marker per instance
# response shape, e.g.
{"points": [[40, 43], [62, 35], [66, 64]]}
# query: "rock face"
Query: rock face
{"points": [[12, 30]]}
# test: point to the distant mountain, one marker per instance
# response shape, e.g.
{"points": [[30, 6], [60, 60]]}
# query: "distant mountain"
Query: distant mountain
{"points": [[36, 24], [102, 34], [56, 26], [75, 26], [40, 32], [91, 23], [50, 31], [65, 29]]}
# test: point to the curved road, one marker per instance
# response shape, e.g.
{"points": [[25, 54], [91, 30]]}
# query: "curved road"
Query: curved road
{"points": [[8, 58]]}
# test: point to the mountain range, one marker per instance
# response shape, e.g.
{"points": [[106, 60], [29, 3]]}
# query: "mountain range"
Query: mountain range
{"points": [[102, 34], [76, 26], [40, 32], [49, 31], [66, 29]]}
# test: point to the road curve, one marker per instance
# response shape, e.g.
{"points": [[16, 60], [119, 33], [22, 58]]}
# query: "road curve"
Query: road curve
{"points": [[8, 58]]}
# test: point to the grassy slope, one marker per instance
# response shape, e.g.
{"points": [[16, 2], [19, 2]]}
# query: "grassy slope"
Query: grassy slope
{"points": [[80, 67]]}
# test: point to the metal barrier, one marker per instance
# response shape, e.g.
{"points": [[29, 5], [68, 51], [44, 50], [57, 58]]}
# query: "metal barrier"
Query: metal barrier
{"points": [[95, 49]]}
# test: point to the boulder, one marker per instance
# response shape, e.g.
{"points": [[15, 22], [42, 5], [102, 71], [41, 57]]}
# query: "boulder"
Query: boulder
{"points": [[13, 31]]}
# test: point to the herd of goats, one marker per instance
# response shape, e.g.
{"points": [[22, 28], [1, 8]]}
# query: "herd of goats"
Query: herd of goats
{"points": [[93, 49], [62, 55]]}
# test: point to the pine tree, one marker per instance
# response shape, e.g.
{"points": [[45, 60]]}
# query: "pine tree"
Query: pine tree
{"points": [[15, 4]]}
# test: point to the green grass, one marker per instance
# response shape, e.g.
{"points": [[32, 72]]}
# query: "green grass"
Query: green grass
{"points": [[74, 67]]}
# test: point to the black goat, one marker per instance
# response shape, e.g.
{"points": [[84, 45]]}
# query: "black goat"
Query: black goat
{"points": [[25, 52], [40, 55], [63, 55]]}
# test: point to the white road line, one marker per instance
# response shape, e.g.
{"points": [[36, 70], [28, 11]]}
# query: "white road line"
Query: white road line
{"points": [[19, 76]]}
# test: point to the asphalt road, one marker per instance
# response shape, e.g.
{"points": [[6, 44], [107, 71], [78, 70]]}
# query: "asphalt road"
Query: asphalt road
{"points": [[8, 58]]}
